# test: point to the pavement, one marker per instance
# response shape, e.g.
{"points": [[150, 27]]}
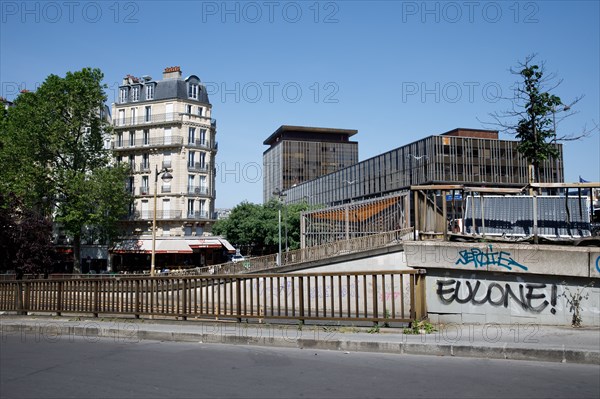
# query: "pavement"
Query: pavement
{"points": [[490, 341]]}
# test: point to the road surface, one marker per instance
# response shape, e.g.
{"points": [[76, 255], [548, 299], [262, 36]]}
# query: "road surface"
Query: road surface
{"points": [[75, 367]]}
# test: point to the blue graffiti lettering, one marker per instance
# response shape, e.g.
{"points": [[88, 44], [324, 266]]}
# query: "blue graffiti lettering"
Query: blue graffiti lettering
{"points": [[478, 258], [598, 264]]}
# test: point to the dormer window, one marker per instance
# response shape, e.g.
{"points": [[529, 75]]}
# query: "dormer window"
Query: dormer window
{"points": [[135, 93], [193, 90], [123, 95], [150, 92]]}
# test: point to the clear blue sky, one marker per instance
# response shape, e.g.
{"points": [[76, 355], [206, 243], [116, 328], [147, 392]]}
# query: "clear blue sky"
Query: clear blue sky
{"points": [[396, 71]]}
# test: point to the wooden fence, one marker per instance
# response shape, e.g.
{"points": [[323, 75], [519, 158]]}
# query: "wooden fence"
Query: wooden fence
{"points": [[379, 296]]}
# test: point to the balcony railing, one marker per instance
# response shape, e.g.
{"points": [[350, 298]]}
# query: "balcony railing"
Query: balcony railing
{"points": [[197, 167], [198, 190], [165, 188], [203, 144], [197, 215], [170, 117], [172, 141], [144, 190], [160, 215]]}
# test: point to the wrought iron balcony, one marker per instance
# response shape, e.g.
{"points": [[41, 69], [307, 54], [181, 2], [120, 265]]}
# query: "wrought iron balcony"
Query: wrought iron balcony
{"points": [[197, 215], [198, 190], [166, 118], [160, 215], [197, 167], [126, 145]]}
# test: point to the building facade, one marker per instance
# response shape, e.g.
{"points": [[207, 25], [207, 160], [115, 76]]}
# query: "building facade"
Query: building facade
{"points": [[461, 156], [167, 125], [298, 154]]}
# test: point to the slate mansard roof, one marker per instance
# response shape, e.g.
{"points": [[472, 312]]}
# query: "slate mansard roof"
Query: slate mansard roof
{"points": [[173, 88]]}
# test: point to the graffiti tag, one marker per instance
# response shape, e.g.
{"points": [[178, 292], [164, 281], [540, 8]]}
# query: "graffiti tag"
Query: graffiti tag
{"points": [[478, 258], [448, 291], [598, 264]]}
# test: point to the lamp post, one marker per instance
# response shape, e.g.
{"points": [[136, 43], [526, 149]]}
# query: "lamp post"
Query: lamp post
{"points": [[565, 108], [166, 177], [279, 194]]}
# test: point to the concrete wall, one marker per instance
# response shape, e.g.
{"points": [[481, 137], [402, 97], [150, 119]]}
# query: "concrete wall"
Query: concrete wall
{"points": [[508, 283]]}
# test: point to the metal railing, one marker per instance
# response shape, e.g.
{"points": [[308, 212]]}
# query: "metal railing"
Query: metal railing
{"points": [[154, 142], [376, 296], [317, 253], [169, 117]]}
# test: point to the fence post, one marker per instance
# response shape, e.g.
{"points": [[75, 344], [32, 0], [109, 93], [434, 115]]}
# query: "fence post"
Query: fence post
{"points": [[301, 298], [59, 299], [184, 293], [21, 297], [238, 299], [420, 297], [96, 297], [137, 299]]}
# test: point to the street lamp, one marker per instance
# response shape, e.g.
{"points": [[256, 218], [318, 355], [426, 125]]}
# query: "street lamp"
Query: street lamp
{"points": [[166, 177], [280, 194], [565, 108]]}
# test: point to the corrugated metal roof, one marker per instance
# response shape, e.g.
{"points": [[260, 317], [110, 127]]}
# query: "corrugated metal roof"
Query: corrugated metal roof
{"points": [[513, 215]]}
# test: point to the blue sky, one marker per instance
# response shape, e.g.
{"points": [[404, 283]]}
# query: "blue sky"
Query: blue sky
{"points": [[395, 71]]}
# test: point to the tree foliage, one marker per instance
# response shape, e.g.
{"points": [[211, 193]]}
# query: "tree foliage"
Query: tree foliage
{"points": [[532, 118], [255, 228], [25, 238], [53, 138]]}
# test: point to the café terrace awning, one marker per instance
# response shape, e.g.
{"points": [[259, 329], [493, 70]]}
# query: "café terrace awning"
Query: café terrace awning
{"points": [[171, 246]]}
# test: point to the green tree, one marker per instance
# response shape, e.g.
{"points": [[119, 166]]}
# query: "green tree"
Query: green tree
{"points": [[534, 109], [255, 228], [54, 137], [25, 238]]}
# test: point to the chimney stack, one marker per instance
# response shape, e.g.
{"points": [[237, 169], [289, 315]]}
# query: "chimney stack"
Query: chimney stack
{"points": [[172, 72]]}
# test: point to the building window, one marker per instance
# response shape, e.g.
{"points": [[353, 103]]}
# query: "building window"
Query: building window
{"points": [[191, 135], [146, 137], [202, 138], [145, 185], [149, 92], [123, 95], [200, 111], [190, 208], [131, 139], [148, 114], [191, 158], [121, 117], [145, 161], [193, 91], [135, 93], [188, 109], [133, 116], [120, 139], [202, 159]]}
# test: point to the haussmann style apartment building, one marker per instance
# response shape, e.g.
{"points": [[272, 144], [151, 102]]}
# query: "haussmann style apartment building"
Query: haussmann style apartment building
{"points": [[167, 125]]}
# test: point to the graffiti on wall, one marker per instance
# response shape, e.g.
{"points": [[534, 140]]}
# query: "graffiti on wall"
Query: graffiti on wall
{"points": [[598, 264], [532, 297], [477, 258]]}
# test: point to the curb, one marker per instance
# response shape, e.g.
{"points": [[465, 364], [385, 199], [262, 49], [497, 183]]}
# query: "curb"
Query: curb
{"points": [[125, 335]]}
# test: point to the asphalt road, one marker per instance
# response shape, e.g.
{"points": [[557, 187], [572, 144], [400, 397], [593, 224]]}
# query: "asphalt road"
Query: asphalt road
{"points": [[74, 367]]}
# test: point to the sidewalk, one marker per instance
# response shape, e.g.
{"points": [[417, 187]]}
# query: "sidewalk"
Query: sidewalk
{"points": [[492, 341]]}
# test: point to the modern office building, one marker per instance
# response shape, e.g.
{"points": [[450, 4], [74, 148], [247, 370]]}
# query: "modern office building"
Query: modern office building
{"points": [[298, 154], [166, 125], [460, 156]]}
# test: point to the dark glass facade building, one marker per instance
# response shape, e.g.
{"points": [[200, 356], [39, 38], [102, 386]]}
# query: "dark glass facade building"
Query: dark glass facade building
{"points": [[298, 154], [460, 156]]}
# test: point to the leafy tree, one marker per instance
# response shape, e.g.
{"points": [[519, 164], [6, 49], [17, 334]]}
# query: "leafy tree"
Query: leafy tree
{"points": [[534, 108], [25, 238], [55, 136], [255, 228]]}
